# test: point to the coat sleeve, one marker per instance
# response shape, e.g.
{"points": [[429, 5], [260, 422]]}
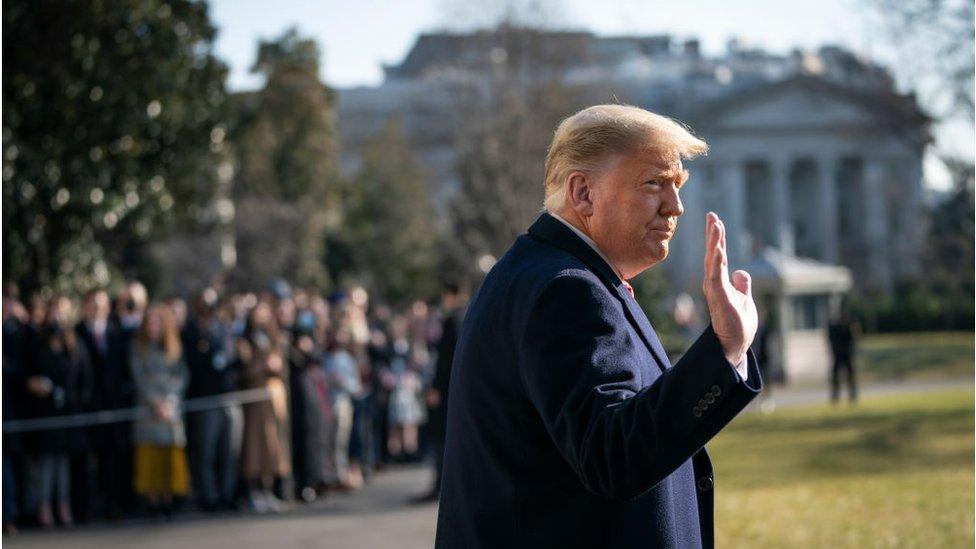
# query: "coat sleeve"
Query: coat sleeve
{"points": [[140, 379], [579, 363], [179, 378]]}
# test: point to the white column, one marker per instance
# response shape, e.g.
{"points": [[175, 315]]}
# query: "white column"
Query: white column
{"points": [[690, 237], [779, 172], [828, 214], [733, 178], [876, 236]]}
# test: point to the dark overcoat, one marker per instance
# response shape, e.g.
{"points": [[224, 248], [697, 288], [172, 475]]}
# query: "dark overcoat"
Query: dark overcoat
{"points": [[567, 424]]}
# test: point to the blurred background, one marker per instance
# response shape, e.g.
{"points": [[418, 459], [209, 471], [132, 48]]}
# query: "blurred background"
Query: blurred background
{"points": [[238, 238]]}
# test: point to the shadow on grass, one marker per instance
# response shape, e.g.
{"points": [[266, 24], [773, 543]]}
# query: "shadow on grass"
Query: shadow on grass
{"points": [[922, 355], [803, 445], [910, 421]]}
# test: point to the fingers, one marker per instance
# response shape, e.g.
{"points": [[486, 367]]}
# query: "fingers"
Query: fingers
{"points": [[710, 234], [713, 248], [724, 265], [742, 281], [716, 260]]}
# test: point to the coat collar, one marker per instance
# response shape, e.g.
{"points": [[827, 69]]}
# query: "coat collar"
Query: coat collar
{"points": [[552, 231], [555, 232]]}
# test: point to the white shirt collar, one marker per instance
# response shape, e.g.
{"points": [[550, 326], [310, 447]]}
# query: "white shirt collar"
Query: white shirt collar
{"points": [[589, 242]]}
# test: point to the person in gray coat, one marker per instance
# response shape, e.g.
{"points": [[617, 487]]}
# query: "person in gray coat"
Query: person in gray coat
{"points": [[160, 377]]}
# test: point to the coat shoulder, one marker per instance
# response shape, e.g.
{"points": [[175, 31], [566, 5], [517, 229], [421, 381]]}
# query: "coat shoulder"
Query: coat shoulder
{"points": [[534, 264]]}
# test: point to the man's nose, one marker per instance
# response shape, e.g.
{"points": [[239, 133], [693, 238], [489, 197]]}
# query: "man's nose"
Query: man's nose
{"points": [[672, 205]]}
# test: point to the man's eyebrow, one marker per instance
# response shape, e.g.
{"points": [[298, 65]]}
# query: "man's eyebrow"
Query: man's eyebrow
{"points": [[671, 173]]}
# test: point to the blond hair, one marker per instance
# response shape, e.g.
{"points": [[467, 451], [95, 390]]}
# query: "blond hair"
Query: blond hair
{"points": [[588, 139], [170, 337]]}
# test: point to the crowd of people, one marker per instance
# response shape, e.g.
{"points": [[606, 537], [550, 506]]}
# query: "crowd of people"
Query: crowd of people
{"points": [[228, 402]]}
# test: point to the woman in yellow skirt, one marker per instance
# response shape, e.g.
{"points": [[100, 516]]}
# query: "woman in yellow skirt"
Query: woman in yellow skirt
{"points": [[160, 377]]}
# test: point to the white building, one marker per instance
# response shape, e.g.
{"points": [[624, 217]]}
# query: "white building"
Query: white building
{"points": [[815, 160]]}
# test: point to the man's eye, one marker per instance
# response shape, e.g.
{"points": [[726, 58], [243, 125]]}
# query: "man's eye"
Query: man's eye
{"points": [[653, 182]]}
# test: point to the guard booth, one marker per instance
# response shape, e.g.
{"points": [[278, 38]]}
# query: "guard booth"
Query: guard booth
{"points": [[797, 297]]}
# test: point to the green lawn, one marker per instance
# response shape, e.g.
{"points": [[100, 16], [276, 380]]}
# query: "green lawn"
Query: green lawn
{"points": [[925, 355], [895, 471]]}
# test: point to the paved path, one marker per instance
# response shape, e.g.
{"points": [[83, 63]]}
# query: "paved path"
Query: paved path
{"points": [[377, 516]]}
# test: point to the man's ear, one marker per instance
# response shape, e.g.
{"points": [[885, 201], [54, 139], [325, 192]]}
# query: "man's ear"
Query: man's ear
{"points": [[579, 193]]}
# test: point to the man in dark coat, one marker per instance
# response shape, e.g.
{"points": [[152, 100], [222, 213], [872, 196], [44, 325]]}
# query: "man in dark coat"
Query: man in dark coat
{"points": [[14, 396], [107, 345], [567, 424], [453, 308], [210, 448], [841, 334]]}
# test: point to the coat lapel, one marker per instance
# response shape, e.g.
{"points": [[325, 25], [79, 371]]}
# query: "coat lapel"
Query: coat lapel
{"points": [[554, 232], [644, 328]]}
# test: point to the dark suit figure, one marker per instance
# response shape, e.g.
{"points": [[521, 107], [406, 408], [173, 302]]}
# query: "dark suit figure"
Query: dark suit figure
{"points": [[15, 395], [841, 335], [567, 424], [211, 432], [108, 347], [438, 392], [764, 347]]}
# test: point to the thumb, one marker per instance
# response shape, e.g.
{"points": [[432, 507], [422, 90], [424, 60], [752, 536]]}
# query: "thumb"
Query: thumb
{"points": [[742, 281]]}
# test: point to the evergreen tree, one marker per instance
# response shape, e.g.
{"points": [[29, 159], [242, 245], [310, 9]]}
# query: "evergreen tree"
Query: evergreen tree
{"points": [[286, 190], [388, 234], [113, 115]]}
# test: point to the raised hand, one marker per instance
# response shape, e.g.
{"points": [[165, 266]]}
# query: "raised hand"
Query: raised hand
{"points": [[730, 304]]}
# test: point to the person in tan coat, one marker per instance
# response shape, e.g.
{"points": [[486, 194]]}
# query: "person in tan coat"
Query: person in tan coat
{"points": [[265, 453]]}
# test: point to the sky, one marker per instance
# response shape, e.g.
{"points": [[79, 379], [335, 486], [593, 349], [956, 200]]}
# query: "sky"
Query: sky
{"points": [[358, 37]]}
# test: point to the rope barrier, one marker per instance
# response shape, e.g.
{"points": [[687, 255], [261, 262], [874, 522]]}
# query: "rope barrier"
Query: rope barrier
{"points": [[137, 412]]}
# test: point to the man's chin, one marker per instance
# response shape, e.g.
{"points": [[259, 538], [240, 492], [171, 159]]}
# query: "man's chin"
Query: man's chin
{"points": [[655, 255], [660, 251]]}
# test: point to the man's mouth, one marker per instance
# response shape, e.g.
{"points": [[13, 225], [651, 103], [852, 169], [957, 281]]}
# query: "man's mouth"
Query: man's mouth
{"points": [[668, 233]]}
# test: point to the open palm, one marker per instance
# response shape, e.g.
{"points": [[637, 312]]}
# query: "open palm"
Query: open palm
{"points": [[730, 303]]}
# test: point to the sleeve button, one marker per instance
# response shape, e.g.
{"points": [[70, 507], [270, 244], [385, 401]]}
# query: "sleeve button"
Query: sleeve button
{"points": [[716, 390], [696, 411]]}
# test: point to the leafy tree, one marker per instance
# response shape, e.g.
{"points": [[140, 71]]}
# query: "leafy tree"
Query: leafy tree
{"points": [[950, 251], [388, 236], [941, 298], [113, 115], [934, 43], [286, 149], [517, 98]]}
